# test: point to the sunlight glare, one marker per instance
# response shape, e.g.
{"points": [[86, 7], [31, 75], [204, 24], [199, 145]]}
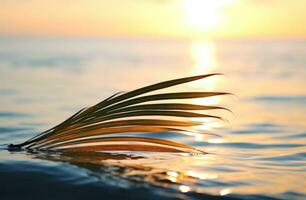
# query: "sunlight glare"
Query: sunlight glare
{"points": [[184, 188], [204, 62], [225, 192], [173, 174], [216, 141], [204, 15], [203, 56], [201, 175]]}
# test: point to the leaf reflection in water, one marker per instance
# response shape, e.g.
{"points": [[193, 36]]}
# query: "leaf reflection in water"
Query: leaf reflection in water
{"points": [[136, 168]]}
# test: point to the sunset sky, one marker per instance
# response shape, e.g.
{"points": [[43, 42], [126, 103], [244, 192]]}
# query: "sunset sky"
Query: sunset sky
{"points": [[154, 18]]}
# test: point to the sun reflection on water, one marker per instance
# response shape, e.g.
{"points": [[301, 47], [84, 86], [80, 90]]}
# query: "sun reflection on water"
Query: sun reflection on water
{"points": [[203, 55], [184, 188], [201, 176], [225, 192], [204, 62]]}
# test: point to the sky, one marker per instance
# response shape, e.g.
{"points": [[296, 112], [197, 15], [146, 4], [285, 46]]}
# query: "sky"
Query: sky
{"points": [[154, 18]]}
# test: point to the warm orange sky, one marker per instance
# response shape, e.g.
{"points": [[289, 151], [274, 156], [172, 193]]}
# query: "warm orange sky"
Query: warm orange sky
{"points": [[155, 18]]}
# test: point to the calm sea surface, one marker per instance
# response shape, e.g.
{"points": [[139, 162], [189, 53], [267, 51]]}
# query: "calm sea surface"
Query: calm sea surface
{"points": [[261, 154]]}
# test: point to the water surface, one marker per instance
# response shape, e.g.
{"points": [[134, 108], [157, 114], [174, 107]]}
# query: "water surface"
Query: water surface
{"points": [[261, 154]]}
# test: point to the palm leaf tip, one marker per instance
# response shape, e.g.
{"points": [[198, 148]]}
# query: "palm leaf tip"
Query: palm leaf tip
{"points": [[129, 112]]}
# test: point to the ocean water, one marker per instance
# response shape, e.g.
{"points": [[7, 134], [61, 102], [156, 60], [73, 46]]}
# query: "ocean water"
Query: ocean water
{"points": [[261, 154]]}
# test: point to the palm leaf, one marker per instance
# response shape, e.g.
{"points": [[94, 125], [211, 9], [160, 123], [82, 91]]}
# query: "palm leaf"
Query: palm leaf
{"points": [[113, 130], [123, 123], [125, 147], [106, 131], [88, 129], [123, 138], [166, 106]]}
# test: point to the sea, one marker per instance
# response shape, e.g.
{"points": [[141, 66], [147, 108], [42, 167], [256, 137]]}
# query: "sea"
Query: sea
{"points": [[260, 152]]}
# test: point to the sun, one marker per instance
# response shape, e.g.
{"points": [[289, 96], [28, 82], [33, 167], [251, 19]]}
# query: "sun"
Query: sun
{"points": [[204, 15]]}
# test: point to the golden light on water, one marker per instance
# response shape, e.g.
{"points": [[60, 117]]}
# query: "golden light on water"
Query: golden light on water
{"points": [[203, 55], [201, 175], [184, 188], [172, 176], [225, 192], [216, 140]]}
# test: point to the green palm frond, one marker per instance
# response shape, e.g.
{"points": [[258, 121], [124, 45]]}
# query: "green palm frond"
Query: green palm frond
{"points": [[89, 129]]}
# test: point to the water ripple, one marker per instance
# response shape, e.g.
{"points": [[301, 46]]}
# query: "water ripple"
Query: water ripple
{"points": [[301, 99], [13, 114]]}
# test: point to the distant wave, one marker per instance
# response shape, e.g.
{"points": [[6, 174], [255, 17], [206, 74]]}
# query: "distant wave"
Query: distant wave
{"points": [[301, 99], [13, 114]]}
